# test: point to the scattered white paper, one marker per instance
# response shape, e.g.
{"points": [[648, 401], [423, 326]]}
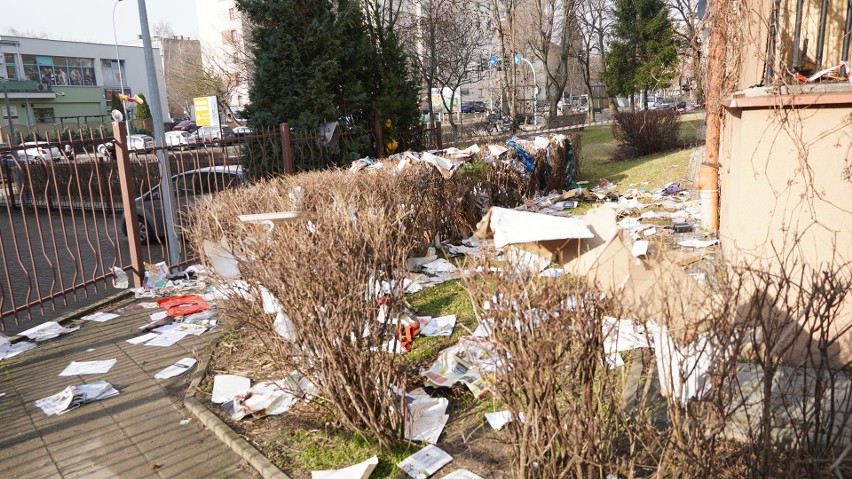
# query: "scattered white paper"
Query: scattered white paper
{"points": [[697, 243], [426, 419], [440, 265], [425, 462], [45, 331], [158, 315], [9, 349], [361, 470], [228, 386], [142, 339], [77, 368], [640, 248], [176, 369], [650, 231], [167, 339], [498, 419], [100, 317]]}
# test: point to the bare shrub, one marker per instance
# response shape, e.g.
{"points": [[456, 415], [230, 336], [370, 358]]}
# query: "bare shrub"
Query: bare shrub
{"points": [[645, 132], [548, 340], [324, 275]]}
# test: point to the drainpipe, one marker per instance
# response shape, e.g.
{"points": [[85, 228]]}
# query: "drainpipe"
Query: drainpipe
{"points": [[845, 54], [708, 173]]}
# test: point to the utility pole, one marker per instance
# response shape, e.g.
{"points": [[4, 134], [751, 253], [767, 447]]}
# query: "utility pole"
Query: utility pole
{"points": [[166, 191]]}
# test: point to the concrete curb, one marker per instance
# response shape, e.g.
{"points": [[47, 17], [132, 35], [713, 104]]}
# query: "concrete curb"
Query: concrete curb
{"points": [[92, 308], [222, 431]]}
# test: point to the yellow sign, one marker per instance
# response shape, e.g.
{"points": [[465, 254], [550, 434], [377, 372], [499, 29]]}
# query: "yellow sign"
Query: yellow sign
{"points": [[206, 111]]}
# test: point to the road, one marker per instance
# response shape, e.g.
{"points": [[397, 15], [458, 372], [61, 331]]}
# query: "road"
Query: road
{"points": [[43, 253]]}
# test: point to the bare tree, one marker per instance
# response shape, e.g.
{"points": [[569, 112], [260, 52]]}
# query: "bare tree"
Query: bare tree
{"points": [[504, 24], [449, 38], [552, 38], [684, 15], [594, 21]]}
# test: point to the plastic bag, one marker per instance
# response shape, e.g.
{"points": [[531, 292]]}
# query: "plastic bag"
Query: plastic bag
{"points": [[121, 280]]}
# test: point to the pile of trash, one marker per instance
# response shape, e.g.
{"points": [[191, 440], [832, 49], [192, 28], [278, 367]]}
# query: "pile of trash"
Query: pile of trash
{"points": [[550, 159], [240, 398]]}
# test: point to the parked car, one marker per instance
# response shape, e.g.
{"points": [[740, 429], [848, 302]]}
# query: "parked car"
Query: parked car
{"points": [[663, 104], [473, 107], [35, 151], [177, 139], [137, 144], [211, 134], [188, 186], [242, 131], [188, 126]]}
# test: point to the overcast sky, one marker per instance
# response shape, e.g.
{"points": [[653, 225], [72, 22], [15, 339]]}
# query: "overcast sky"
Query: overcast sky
{"points": [[91, 20]]}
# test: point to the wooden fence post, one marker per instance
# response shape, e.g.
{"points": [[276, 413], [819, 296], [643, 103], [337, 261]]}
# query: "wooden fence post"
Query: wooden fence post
{"points": [[287, 150], [128, 200]]}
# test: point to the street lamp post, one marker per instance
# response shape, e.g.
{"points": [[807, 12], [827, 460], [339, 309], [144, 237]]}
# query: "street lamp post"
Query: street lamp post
{"points": [[535, 92], [120, 74]]}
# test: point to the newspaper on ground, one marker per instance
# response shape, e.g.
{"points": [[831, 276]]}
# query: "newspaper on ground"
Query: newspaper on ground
{"points": [[425, 462], [468, 362], [45, 331], [77, 368], [440, 326], [228, 386], [158, 315], [438, 266], [425, 418], [8, 349], [176, 369], [100, 317], [166, 339], [142, 339], [73, 397], [362, 470]]}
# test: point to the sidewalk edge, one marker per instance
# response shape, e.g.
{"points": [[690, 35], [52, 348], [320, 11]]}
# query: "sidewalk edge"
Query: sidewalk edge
{"points": [[222, 431]]}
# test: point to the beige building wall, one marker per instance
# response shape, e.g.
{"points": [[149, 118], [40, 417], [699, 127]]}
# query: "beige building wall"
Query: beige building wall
{"points": [[786, 154], [786, 186]]}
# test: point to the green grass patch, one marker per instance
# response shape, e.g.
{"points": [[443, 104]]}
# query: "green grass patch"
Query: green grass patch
{"points": [[658, 169], [441, 300], [307, 451]]}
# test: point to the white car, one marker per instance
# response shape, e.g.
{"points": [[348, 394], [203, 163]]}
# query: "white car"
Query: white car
{"points": [[39, 151], [177, 139], [138, 143]]}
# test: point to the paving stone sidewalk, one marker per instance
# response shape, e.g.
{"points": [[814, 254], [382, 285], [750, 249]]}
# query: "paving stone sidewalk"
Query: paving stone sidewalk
{"points": [[133, 435]]}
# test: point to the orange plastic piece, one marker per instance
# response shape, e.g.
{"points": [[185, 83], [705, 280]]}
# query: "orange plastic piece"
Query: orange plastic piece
{"points": [[406, 335], [178, 306]]}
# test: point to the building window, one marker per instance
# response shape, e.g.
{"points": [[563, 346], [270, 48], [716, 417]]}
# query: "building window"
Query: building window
{"points": [[235, 58], [110, 72], [43, 115], [234, 36], [11, 71], [232, 13], [59, 70]]}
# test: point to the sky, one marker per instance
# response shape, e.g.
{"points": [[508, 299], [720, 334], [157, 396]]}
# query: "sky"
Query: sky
{"points": [[91, 20]]}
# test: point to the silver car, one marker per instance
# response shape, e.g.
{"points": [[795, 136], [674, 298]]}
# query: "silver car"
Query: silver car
{"points": [[38, 151], [188, 186]]}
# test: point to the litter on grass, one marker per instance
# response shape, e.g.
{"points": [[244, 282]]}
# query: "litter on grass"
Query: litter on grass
{"points": [[362, 470], [462, 474], [73, 397], [425, 417], [425, 462]]}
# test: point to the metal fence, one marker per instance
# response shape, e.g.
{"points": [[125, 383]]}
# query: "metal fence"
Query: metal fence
{"points": [[64, 201]]}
